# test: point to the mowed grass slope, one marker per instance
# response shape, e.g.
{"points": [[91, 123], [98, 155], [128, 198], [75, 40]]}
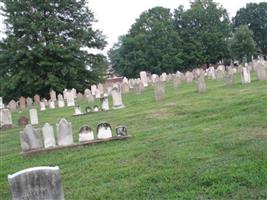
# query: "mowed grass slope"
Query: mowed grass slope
{"points": [[187, 146]]}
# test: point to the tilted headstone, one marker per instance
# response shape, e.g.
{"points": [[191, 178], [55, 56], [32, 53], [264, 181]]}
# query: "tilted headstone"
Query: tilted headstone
{"points": [[86, 134], [48, 136], [23, 121], [53, 95], [29, 102], [143, 77], [159, 90], [117, 98], [33, 116], [5, 118], [104, 131], [261, 71], [22, 103], [12, 105], [37, 99], [70, 99], [42, 106], [64, 133], [121, 131], [37, 183], [31, 138], [200, 80]]}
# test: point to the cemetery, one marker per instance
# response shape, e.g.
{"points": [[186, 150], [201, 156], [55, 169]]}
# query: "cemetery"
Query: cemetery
{"points": [[173, 106]]}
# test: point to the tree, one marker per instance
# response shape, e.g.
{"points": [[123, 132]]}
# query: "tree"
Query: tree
{"points": [[45, 47], [204, 30], [152, 44], [255, 17], [242, 43]]}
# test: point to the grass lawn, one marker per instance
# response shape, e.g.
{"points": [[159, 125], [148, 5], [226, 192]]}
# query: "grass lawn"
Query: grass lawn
{"points": [[188, 146]]}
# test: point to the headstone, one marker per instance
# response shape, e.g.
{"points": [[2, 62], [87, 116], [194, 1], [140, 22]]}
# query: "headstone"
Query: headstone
{"points": [[37, 183], [33, 116], [80, 96], [189, 77], [88, 109], [93, 89], [117, 98], [36, 99], [104, 103], [245, 75], [70, 99], [65, 94], [64, 133], [53, 95], [30, 138], [88, 95], [101, 88], [96, 109], [22, 103], [42, 106], [131, 83], [261, 71], [45, 102], [5, 118], [230, 76], [97, 94], [12, 105], [159, 90], [1, 103], [23, 121], [104, 131], [163, 77], [48, 136], [29, 102], [211, 73], [86, 134], [121, 131], [51, 104], [74, 92], [143, 77], [136, 88], [200, 80], [176, 81], [154, 77], [60, 101], [125, 88], [219, 73], [77, 110]]}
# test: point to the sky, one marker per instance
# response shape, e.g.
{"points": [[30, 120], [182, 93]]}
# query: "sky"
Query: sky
{"points": [[115, 17]]}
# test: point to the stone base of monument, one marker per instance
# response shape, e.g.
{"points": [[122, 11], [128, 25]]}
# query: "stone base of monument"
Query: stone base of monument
{"points": [[92, 142], [118, 107]]}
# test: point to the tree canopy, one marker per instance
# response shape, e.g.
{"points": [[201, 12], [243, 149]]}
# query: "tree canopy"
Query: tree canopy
{"points": [[152, 44], [255, 17], [45, 47]]}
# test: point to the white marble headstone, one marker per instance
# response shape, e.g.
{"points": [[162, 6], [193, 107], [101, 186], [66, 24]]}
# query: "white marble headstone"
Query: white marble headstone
{"points": [[86, 134], [104, 131], [33, 116], [64, 133], [30, 138], [5, 118], [48, 136]]}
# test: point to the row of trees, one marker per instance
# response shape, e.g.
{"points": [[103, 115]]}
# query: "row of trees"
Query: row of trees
{"points": [[161, 41]]}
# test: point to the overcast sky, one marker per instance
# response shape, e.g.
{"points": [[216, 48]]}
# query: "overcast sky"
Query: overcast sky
{"points": [[115, 17]]}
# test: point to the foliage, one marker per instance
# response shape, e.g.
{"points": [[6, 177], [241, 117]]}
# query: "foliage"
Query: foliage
{"points": [[242, 44], [44, 47], [152, 44], [204, 30], [255, 17]]}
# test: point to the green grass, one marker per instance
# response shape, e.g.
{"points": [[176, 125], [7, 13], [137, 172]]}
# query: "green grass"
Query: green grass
{"points": [[187, 146]]}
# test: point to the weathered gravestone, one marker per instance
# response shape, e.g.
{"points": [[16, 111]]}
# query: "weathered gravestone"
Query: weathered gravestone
{"points": [[60, 101], [176, 81], [12, 105], [42, 106], [53, 95], [37, 183], [77, 110], [104, 131], [1, 103], [64, 133], [104, 103], [121, 131], [189, 77], [29, 102], [219, 74], [125, 88], [48, 136], [33, 116], [245, 75], [163, 77], [51, 104], [88, 95], [31, 138], [159, 90], [70, 99], [101, 88], [261, 71], [230, 76], [200, 80], [96, 109], [88, 109], [143, 77], [117, 98], [22, 103], [80, 96], [74, 93], [137, 88], [93, 89], [211, 73], [5, 118], [36, 99], [23, 121], [86, 134]]}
